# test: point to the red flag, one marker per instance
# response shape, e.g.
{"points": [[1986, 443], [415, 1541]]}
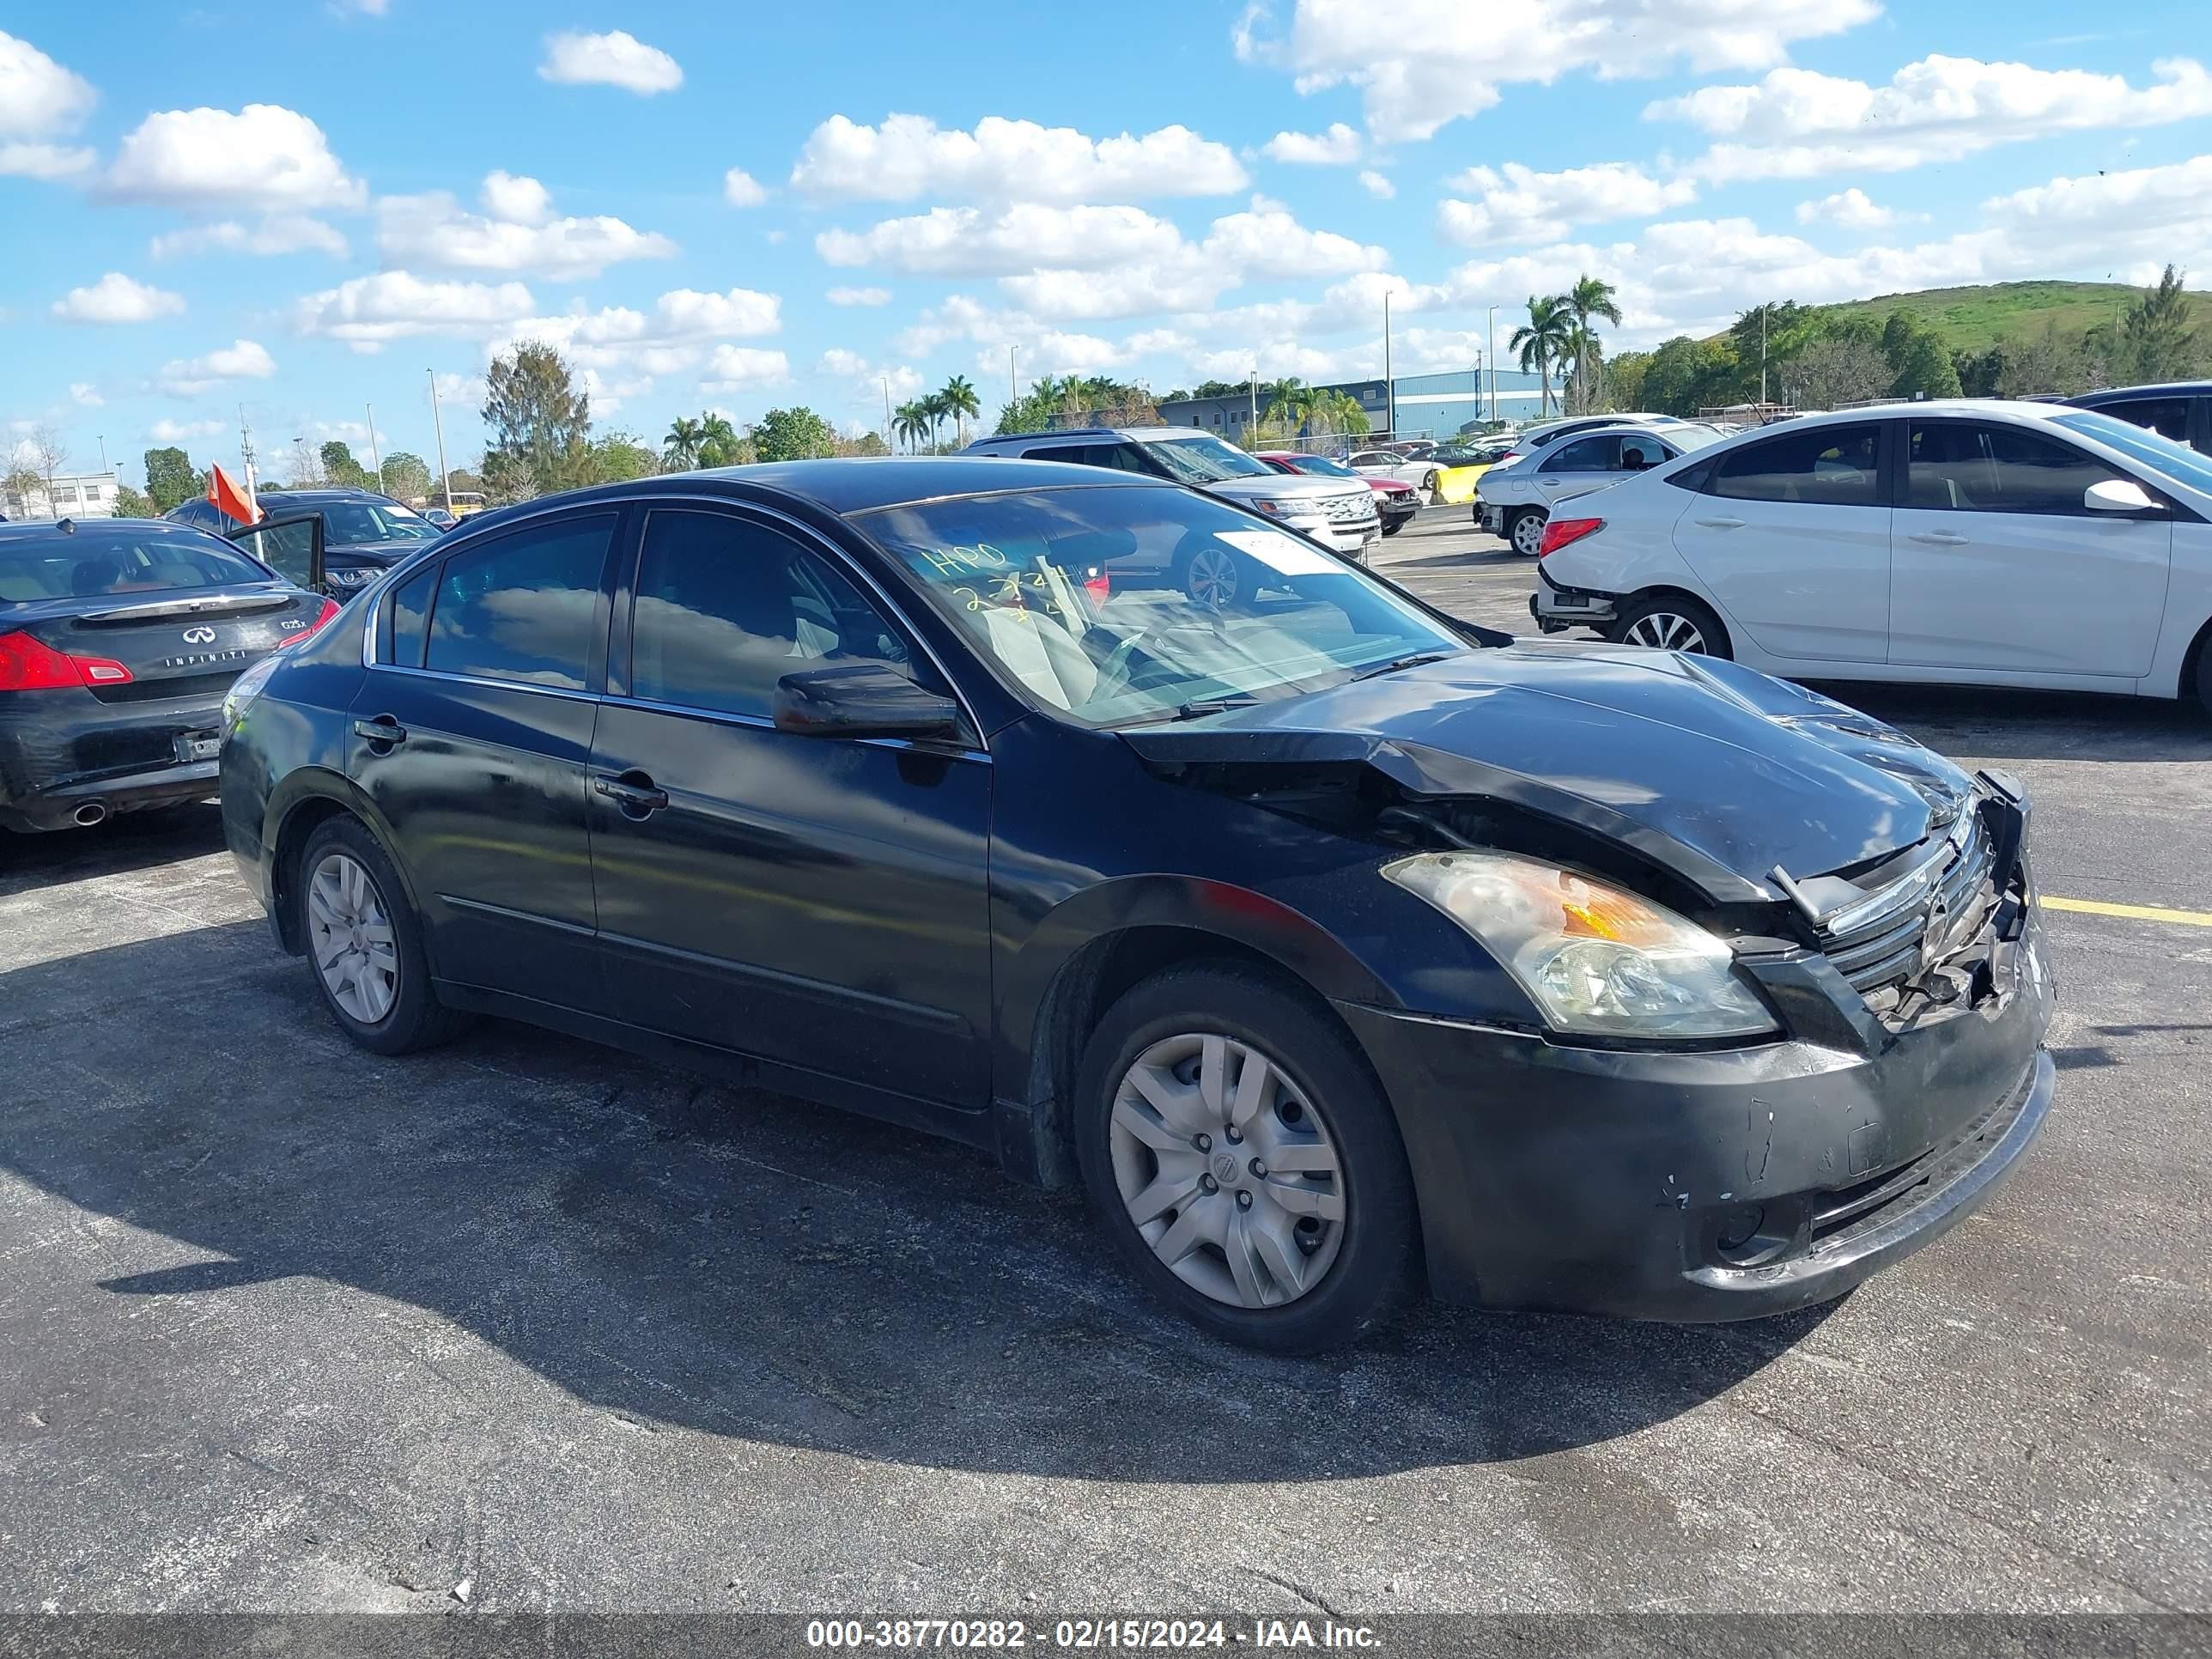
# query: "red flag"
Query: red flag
{"points": [[229, 497]]}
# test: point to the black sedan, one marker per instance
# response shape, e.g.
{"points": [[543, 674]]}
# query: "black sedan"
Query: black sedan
{"points": [[1330, 944], [118, 638], [357, 534]]}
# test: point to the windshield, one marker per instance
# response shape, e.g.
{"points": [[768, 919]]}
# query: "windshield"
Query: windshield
{"points": [[2161, 454], [1203, 459], [89, 563], [1322, 466], [347, 524], [1084, 598]]}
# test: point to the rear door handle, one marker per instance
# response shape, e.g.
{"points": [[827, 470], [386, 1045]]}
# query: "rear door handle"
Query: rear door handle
{"points": [[1722, 524], [633, 793], [383, 729], [1547, 483], [1942, 539]]}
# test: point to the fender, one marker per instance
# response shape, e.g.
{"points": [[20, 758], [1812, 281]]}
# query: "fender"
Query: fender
{"points": [[310, 784]]}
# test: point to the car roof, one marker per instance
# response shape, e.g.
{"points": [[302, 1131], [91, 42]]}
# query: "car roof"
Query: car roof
{"points": [[2169, 388], [329, 493], [1951, 408], [29, 530]]}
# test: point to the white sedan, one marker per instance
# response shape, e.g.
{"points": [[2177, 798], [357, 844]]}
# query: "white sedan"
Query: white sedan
{"points": [[1962, 542], [1416, 469]]}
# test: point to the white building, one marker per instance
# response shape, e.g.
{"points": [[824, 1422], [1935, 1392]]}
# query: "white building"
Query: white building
{"points": [[76, 495]]}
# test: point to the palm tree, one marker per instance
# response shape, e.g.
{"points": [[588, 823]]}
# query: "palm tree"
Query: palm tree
{"points": [[1544, 341], [681, 447], [934, 406], [718, 443], [910, 423], [1291, 401], [959, 401], [1591, 297]]}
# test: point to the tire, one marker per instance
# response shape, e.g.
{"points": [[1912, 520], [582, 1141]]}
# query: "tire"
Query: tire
{"points": [[1213, 575], [378, 990], [1343, 1219], [1671, 621], [1525, 531], [1429, 488], [1392, 526], [2205, 676]]}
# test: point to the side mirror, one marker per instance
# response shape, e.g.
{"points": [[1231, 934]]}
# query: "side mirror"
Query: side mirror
{"points": [[860, 700], [2120, 495]]}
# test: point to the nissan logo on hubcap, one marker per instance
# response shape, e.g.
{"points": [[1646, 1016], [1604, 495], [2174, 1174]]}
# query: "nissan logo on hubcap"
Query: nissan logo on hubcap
{"points": [[199, 637], [1224, 1167]]}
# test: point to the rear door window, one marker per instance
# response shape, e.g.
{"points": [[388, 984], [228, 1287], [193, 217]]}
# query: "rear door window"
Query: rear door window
{"points": [[1595, 454], [523, 608], [2168, 416], [1964, 466], [408, 619], [1824, 466]]}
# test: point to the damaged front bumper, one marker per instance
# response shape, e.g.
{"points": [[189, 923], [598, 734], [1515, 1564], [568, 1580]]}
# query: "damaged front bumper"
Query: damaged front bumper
{"points": [[1717, 1185]]}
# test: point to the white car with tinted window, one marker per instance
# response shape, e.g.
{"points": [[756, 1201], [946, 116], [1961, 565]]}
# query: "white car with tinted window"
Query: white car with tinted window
{"points": [[1518, 499], [1963, 542]]}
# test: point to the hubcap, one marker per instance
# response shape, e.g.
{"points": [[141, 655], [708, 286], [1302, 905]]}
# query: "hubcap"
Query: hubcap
{"points": [[1663, 630], [351, 935], [1259, 1220], [1213, 578], [1528, 534]]}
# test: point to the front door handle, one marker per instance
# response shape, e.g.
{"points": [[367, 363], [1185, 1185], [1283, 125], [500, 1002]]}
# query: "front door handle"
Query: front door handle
{"points": [[1942, 539], [1722, 524], [383, 730], [633, 793]]}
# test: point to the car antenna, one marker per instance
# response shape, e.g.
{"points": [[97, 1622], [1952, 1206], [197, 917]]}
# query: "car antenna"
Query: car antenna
{"points": [[67, 527]]}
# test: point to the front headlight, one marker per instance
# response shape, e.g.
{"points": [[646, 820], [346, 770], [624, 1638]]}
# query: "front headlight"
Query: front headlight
{"points": [[1597, 961], [244, 689], [350, 578]]}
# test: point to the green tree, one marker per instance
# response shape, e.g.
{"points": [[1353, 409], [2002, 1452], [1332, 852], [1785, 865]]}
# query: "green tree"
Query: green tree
{"points": [[793, 435], [1543, 341], [679, 450], [1766, 336], [2054, 362], [1624, 380], [1836, 369], [1685, 376], [959, 402], [131, 504], [721, 444], [618, 457], [1588, 300], [406, 475], [170, 478], [540, 421], [910, 423], [2156, 343], [340, 467], [21, 481], [1919, 361]]}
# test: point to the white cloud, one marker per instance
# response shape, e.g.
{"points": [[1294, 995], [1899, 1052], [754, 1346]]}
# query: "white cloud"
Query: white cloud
{"points": [[1044, 350], [734, 368], [859, 296], [1266, 240], [434, 230], [1516, 204], [86, 395], [741, 190], [970, 241], [275, 233], [38, 96], [1430, 62], [465, 389], [615, 59], [866, 381], [1852, 210], [672, 337], [1796, 124], [116, 298], [265, 156], [911, 156], [166, 431], [241, 359], [368, 312], [1376, 185], [516, 200], [1338, 146], [44, 161], [2134, 223]]}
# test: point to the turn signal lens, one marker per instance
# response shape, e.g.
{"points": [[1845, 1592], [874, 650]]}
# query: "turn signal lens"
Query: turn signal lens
{"points": [[329, 609], [28, 663], [1561, 532]]}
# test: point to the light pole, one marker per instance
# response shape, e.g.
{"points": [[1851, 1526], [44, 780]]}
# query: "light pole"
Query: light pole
{"points": [[375, 461], [438, 425], [1389, 385], [1013, 380], [1490, 350]]}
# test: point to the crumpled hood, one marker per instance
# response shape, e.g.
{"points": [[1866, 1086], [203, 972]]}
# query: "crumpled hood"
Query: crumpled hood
{"points": [[1713, 770]]}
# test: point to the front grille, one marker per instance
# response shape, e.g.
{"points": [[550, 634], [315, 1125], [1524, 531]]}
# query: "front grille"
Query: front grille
{"points": [[1879, 945], [1350, 509]]}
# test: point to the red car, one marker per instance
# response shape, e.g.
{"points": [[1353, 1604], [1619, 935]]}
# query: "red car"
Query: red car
{"points": [[1397, 502]]}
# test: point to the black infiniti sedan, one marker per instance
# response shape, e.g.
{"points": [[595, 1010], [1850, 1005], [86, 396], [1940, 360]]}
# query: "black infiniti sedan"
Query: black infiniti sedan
{"points": [[118, 640], [1333, 946]]}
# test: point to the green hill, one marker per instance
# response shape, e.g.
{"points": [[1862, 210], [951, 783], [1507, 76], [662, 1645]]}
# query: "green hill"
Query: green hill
{"points": [[1973, 318]]}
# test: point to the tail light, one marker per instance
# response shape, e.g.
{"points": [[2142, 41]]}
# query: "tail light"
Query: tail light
{"points": [[1099, 586], [28, 663], [329, 609], [1510, 455], [1564, 532]]}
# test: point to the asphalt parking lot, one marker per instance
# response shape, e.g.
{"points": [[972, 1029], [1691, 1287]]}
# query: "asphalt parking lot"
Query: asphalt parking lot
{"points": [[290, 1326]]}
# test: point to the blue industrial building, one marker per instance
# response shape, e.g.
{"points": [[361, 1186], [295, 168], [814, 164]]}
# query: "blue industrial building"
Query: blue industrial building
{"points": [[1428, 405]]}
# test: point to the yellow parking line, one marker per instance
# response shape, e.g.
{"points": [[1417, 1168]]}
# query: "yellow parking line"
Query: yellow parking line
{"points": [[2134, 912]]}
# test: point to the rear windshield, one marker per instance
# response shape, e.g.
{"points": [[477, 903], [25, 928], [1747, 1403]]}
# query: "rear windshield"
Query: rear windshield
{"points": [[88, 564]]}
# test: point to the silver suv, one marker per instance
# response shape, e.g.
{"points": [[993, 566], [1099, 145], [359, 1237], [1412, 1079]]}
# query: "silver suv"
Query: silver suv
{"points": [[1341, 516]]}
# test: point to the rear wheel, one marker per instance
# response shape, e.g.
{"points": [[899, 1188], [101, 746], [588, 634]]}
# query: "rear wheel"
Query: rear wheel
{"points": [[1240, 1153], [1213, 575], [1526, 532], [1670, 622], [1429, 488], [365, 943]]}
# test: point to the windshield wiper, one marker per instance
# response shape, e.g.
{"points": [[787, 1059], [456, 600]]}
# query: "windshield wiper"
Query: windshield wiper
{"points": [[1414, 660], [1191, 711]]}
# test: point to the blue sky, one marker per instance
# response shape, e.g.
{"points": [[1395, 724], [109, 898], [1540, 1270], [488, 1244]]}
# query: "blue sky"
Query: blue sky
{"points": [[307, 208]]}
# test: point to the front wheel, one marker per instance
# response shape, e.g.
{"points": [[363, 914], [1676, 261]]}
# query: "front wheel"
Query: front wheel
{"points": [[1431, 489], [1670, 622], [1239, 1153], [1392, 526], [1526, 532], [1215, 576]]}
